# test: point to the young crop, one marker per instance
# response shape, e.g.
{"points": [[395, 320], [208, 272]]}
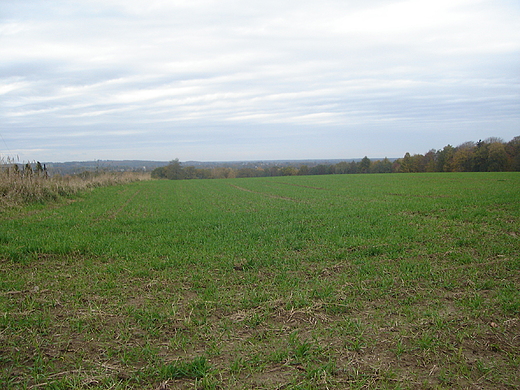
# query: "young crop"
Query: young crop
{"points": [[341, 281]]}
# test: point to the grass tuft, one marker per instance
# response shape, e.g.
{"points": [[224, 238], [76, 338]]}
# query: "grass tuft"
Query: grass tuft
{"points": [[196, 369]]}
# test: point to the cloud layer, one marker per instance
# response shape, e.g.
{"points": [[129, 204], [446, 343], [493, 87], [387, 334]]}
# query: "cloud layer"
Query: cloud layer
{"points": [[226, 80]]}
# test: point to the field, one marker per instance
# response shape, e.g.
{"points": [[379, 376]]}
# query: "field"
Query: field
{"points": [[396, 281]]}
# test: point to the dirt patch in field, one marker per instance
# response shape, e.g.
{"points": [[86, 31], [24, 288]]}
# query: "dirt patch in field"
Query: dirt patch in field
{"points": [[417, 335]]}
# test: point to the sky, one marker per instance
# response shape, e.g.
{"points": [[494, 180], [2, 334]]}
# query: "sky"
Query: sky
{"points": [[228, 80]]}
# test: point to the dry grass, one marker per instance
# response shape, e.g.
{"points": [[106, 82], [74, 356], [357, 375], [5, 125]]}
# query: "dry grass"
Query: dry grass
{"points": [[21, 185]]}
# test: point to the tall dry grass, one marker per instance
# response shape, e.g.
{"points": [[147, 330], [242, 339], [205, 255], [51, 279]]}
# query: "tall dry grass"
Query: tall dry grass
{"points": [[22, 184]]}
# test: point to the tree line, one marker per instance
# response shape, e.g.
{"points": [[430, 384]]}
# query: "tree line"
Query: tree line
{"points": [[490, 155]]}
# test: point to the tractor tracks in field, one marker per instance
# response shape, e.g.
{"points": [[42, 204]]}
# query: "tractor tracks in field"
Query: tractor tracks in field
{"points": [[300, 185], [114, 213], [266, 194]]}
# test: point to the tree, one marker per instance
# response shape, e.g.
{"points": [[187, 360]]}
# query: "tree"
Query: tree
{"points": [[430, 160], [445, 159], [341, 167], [274, 171], [190, 172], [247, 172], [173, 170], [513, 153], [322, 169], [304, 170], [159, 173], [386, 165], [364, 165], [405, 163], [353, 167], [289, 171], [464, 157], [497, 157], [381, 166], [204, 174], [223, 173], [418, 163], [493, 140], [480, 157]]}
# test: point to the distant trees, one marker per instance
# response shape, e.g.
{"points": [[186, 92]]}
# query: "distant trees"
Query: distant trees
{"points": [[304, 170], [491, 155], [381, 166], [175, 171]]}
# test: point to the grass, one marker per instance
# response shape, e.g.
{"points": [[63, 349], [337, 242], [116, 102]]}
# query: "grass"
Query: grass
{"points": [[373, 281]]}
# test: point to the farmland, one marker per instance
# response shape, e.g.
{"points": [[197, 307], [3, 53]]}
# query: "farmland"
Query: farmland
{"points": [[396, 281]]}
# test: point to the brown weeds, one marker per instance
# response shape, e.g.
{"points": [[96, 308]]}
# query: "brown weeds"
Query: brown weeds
{"points": [[22, 184]]}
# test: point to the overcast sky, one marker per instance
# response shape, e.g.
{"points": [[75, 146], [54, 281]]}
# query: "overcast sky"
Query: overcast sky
{"points": [[220, 80]]}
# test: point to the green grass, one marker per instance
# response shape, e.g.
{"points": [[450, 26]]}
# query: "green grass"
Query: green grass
{"points": [[398, 281]]}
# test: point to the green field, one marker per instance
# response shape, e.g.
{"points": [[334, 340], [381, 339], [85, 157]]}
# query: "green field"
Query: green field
{"points": [[396, 281]]}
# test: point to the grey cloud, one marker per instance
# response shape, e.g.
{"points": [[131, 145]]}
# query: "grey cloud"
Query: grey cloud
{"points": [[237, 75]]}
